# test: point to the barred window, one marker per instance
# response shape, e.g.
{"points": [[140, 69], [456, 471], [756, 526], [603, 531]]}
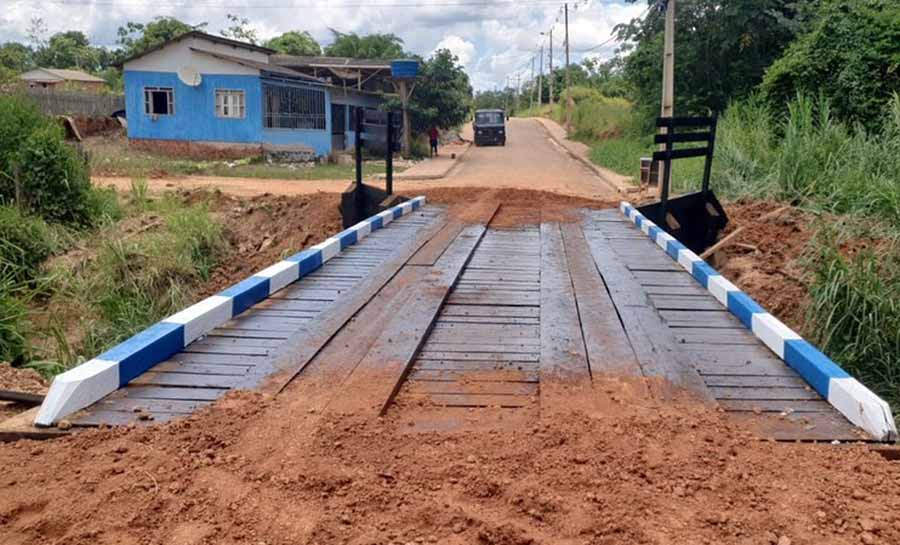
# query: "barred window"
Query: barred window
{"points": [[159, 101], [293, 108], [230, 103]]}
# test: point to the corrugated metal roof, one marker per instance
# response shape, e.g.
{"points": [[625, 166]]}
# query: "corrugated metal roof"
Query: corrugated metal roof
{"points": [[272, 68], [330, 62], [203, 35], [59, 74]]}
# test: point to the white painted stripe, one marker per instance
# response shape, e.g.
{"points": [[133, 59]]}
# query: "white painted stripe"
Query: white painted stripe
{"points": [[406, 207], [330, 247], [363, 229], [77, 388], [386, 217], [201, 318], [623, 207], [663, 238], [771, 331], [280, 274], [686, 259], [720, 288], [862, 407], [421, 199], [646, 225], [632, 214]]}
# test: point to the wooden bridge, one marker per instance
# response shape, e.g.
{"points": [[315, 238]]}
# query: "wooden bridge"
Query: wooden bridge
{"points": [[468, 316]]}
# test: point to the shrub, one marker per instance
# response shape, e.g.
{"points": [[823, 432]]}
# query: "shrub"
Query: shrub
{"points": [[25, 242], [13, 319], [53, 178], [19, 118]]}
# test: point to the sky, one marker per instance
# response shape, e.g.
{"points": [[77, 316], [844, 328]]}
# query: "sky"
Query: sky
{"points": [[494, 39]]}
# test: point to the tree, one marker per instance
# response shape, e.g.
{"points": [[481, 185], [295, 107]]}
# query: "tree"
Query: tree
{"points": [[135, 38], [240, 30], [295, 42], [69, 49], [15, 57], [371, 46], [851, 57], [722, 51], [443, 95]]}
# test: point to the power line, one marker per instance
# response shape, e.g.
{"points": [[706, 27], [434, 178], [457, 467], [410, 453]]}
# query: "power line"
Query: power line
{"points": [[506, 4]]}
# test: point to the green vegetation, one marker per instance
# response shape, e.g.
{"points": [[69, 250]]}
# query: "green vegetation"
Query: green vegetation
{"points": [[114, 158], [295, 42]]}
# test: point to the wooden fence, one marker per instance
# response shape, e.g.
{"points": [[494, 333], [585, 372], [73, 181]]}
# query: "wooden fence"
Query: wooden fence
{"points": [[84, 103]]}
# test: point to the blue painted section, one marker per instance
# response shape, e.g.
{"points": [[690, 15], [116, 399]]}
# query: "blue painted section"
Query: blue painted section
{"points": [[144, 350], [347, 238], [309, 261], [376, 222], [404, 69], [397, 211], [701, 273], [815, 367], [741, 305], [195, 109], [673, 247], [652, 232], [247, 293]]}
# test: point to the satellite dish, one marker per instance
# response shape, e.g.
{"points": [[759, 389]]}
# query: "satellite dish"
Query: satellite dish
{"points": [[189, 76]]}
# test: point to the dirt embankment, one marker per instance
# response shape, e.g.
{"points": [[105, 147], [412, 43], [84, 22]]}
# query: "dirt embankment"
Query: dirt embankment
{"points": [[764, 258], [18, 380], [256, 470]]}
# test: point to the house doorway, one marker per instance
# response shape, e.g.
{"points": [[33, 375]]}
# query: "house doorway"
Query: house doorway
{"points": [[338, 126]]}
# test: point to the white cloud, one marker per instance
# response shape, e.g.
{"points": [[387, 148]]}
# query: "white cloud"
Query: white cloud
{"points": [[492, 41], [460, 47]]}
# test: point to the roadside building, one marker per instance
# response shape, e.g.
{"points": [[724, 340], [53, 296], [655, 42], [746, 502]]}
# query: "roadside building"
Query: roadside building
{"points": [[55, 78], [200, 94]]}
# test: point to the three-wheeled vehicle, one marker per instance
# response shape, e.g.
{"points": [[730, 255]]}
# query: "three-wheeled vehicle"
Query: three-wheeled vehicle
{"points": [[490, 127]]}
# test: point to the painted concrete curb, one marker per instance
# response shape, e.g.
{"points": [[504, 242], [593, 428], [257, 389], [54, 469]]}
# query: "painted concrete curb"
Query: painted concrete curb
{"points": [[88, 383], [856, 402]]}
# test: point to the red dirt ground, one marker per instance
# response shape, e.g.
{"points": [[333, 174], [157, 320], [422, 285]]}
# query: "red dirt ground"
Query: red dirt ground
{"points": [[19, 380], [258, 470]]}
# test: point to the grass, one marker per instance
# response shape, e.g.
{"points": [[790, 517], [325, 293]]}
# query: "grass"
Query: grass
{"points": [[113, 157]]}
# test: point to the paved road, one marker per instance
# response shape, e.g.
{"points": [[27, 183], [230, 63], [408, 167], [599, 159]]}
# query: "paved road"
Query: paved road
{"points": [[530, 160]]}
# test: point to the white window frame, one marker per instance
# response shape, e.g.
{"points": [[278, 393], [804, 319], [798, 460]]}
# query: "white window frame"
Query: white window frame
{"points": [[231, 103], [148, 100]]}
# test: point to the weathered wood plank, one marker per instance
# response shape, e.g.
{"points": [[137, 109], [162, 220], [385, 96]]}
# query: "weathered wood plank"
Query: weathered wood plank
{"points": [[608, 349], [166, 392], [471, 388], [477, 400], [773, 393], [486, 310]]}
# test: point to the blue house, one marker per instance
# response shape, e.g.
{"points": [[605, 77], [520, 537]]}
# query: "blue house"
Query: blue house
{"points": [[203, 95]]}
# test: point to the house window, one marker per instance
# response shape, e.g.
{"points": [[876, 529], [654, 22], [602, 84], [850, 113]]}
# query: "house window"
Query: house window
{"points": [[293, 108], [159, 101], [230, 103]]}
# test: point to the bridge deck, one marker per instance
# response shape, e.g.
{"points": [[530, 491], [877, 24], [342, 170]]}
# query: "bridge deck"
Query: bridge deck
{"points": [[493, 319]]}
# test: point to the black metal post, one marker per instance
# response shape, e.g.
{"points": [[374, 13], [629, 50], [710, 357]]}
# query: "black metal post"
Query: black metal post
{"points": [[667, 173], [707, 168], [389, 158], [357, 144]]}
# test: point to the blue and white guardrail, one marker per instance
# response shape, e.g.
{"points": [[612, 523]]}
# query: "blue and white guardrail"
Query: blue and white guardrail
{"points": [[91, 381], [856, 402]]}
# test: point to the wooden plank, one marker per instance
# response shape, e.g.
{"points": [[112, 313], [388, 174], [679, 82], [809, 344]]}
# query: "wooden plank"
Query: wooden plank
{"points": [[700, 318], [428, 254], [505, 330], [685, 302], [481, 365], [379, 375], [166, 392], [608, 349], [676, 290], [655, 278], [436, 346], [250, 333], [440, 335], [755, 381], [773, 393], [226, 343], [21, 426], [217, 359], [488, 320], [564, 363], [471, 387], [489, 375], [201, 368], [197, 348], [174, 406], [713, 336], [485, 356], [477, 400], [187, 380], [486, 310], [771, 406], [656, 349]]}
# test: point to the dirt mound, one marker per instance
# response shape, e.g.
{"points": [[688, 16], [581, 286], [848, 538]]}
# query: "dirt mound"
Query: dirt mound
{"points": [[763, 262], [263, 230], [19, 380], [257, 470]]}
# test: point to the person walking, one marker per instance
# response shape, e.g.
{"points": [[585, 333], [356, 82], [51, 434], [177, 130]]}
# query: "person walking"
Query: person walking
{"points": [[433, 136]]}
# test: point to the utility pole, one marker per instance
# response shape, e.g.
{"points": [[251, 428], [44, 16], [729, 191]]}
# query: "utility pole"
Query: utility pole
{"points": [[668, 90], [551, 66], [506, 97], [532, 83], [569, 100], [540, 78], [518, 90]]}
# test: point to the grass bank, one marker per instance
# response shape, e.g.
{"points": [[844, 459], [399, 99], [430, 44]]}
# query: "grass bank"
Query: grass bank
{"points": [[111, 156]]}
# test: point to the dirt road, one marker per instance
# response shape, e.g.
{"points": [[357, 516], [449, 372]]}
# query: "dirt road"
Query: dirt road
{"points": [[530, 160]]}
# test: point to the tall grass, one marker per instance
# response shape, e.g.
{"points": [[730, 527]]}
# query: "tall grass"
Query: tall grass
{"points": [[855, 310]]}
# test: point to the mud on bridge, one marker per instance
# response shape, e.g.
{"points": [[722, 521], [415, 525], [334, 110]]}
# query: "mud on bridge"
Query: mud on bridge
{"points": [[479, 316]]}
